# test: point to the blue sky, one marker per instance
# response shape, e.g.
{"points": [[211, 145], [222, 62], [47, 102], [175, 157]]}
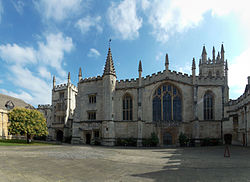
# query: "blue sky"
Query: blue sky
{"points": [[39, 39]]}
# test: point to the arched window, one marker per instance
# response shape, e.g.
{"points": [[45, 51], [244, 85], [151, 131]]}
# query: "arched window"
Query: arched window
{"points": [[167, 104], [127, 107], [208, 106]]}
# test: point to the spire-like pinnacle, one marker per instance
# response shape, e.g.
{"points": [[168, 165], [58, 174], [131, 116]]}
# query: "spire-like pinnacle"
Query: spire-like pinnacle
{"points": [[109, 68], [193, 64], [226, 66], [213, 54], [204, 52], [68, 77], [204, 55], [222, 48], [218, 56], [80, 74], [140, 67], [54, 81], [166, 62]]}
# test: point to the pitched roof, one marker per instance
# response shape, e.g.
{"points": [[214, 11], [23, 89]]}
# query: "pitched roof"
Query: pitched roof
{"points": [[16, 102], [109, 68]]}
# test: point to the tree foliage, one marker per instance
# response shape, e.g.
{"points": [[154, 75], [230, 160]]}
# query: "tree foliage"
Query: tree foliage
{"points": [[28, 122]]}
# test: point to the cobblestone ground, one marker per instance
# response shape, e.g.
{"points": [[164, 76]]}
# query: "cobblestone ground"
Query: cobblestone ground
{"points": [[87, 163]]}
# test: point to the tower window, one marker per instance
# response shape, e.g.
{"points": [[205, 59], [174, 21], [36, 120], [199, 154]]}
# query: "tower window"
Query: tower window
{"points": [[127, 107], [92, 115], [92, 99], [210, 74], [208, 106], [61, 95], [217, 73]]}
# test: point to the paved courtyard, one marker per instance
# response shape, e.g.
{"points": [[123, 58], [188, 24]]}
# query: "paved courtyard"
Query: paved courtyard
{"points": [[89, 163]]}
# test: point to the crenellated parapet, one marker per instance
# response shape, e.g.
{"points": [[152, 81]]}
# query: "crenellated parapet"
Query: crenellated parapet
{"points": [[128, 83], [155, 77], [44, 106], [240, 101], [65, 86], [207, 80], [90, 79]]}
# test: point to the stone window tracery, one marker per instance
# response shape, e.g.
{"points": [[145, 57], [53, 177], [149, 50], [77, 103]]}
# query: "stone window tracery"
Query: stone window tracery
{"points": [[127, 106], [167, 105], [208, 106]]}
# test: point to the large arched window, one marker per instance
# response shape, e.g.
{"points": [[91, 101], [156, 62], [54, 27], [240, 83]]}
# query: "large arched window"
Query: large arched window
{"points": [[167, 104], [208, 106], [127, 107]]}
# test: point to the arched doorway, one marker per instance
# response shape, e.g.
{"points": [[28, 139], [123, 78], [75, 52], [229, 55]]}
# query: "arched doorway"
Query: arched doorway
{"points": [[88, 138], [167, 139], [59, 136]]}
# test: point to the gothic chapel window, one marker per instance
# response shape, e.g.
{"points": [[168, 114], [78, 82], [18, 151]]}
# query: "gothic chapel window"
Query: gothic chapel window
{"points": [[127, 106], [208, 106], [167, 104]]}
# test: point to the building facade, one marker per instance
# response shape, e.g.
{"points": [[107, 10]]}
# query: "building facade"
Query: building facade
{"points": [[166, 103], [237, 118]]}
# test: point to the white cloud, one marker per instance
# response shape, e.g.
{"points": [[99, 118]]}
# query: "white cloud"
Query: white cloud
{"points": [[58, 10], [238, 73], [145, 4], [17, 54], [44, 72], [124, 20], [84, 24], [170, 16], [19, 5], [38, 89], [93, 53], [34, 86], [52, 52]]}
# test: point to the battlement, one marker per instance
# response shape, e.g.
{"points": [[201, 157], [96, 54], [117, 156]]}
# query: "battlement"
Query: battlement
{"points": [[210, 80], [127, 83], [65, 86], [44, 106], [245, 97], [90, 79]]}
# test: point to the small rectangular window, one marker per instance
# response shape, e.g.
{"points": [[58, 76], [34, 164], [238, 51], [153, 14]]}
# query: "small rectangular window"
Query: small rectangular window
{"points": [[61, 96], [92, 115], [92, 99]]}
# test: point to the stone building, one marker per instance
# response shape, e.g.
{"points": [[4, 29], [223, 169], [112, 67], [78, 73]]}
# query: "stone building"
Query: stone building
{"points": [[59, 115], [167, 103], [237, 118], [7, 103]]}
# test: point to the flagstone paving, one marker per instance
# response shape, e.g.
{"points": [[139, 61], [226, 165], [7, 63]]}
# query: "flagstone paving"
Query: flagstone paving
{"points": [[93, 163]]}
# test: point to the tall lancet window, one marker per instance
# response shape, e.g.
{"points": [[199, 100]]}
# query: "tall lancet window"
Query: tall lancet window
{"points": [[208, 106], [127, 105], [167, 104]]}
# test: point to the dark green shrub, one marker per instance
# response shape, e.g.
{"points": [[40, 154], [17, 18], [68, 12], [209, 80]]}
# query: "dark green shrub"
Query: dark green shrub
{"points": [[126, 141], [183, 140], [151, 142]]}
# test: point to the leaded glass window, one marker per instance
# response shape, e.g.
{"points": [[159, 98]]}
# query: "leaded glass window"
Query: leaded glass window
{"points": [[167, 104], [208, 106], [127, 107]]}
